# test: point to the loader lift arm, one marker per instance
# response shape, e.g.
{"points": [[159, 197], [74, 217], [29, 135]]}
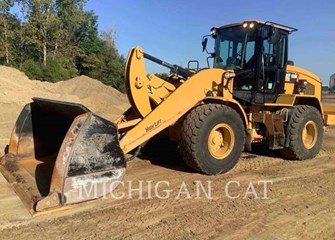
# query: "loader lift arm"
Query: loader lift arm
{"points": [[151, 118]]}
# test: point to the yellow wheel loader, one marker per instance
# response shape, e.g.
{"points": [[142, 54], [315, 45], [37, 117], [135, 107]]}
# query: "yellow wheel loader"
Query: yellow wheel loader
{"points": [[61, 153]]}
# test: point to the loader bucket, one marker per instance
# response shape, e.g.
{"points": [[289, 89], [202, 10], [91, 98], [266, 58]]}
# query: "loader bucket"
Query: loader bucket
{"points": [[61, 153]]}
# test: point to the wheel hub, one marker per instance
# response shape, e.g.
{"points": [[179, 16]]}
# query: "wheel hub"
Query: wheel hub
{"points": [[221, 141], [309, 134]]}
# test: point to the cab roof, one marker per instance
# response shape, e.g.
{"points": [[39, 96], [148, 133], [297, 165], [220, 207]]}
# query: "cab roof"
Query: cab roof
{"points": [[276, 25]]}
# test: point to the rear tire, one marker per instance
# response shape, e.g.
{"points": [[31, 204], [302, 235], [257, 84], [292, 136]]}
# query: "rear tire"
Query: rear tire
{"points": [[212, 138], [305, 133]]}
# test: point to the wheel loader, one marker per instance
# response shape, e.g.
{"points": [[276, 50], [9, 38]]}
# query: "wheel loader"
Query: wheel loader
{"points": [[250, 94]]}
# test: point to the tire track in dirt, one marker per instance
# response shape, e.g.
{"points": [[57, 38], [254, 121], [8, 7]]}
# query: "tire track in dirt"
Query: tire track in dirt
{"points": [[297, 207], [220, 217]]}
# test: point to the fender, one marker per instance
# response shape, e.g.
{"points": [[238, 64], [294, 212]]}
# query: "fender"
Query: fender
{"points": [[231, 103]]}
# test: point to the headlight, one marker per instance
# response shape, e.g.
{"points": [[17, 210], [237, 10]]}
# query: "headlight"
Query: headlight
{"points": [[302, 83], [213, 31]]}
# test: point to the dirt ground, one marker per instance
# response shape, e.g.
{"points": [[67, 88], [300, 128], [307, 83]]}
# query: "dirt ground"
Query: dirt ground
{"points": [[298, 201]]}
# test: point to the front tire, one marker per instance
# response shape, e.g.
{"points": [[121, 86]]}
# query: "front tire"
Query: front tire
{"points": [[212, 138], [305, 133]]}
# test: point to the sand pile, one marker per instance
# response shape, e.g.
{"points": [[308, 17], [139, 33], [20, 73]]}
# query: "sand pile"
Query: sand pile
{"points": [[17, 90], [98, 97]]}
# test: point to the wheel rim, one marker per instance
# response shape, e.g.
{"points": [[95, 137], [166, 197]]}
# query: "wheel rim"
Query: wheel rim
{"points": [[221, 141], [309, 134]]}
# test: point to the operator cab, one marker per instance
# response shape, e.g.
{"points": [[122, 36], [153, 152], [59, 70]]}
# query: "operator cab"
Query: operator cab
{"points": [[257, 52]]}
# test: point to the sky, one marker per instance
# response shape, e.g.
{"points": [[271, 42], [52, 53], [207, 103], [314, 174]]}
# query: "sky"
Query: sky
{"points": [[172, 29]]}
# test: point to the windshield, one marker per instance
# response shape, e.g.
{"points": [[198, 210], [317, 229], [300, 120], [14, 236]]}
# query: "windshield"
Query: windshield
{"points": [[235, 48]]}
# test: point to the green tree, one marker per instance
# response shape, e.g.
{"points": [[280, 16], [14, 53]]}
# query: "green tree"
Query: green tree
{"points": [[113, 68], [90, 45], [6, 28], [101, 59], [71, 19], [57, 39], [40, 23]]}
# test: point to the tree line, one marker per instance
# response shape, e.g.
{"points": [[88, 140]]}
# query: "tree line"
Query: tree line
{"points": [[54, 40]]}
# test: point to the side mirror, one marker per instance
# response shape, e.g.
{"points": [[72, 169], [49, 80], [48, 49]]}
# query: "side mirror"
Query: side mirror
{"points": [[204, 44]]}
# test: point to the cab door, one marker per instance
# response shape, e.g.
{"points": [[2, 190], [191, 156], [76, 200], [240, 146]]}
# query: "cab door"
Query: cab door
{"points": [[270, 77]]}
